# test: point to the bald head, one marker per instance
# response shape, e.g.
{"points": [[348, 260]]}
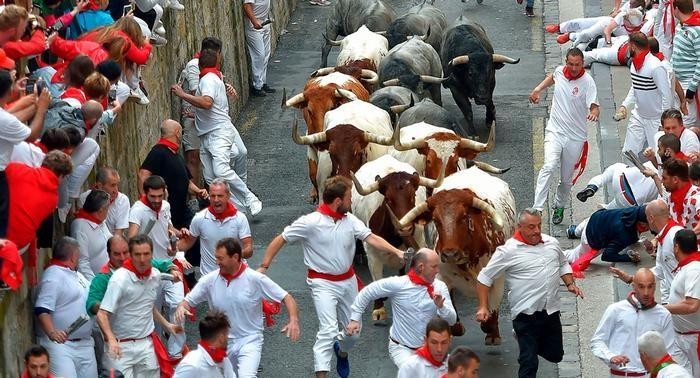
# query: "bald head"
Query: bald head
{"points": [[644, 285], [426, 263], [92, 110], [169, 128], [643, 275], [657, 214]]}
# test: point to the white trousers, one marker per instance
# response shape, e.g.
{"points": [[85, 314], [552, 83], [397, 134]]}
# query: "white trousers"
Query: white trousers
{"points": [[611, 179], [83, 157], [258, 42], [223, 155], [583, 247], [584, 36], [171, 294], [692, 118], [562, 151], [688, 344], [399, 353], [640, 131], [605, 55], [138, 359], [332, 301], [578, 24], [72, 359], [244, 354]]}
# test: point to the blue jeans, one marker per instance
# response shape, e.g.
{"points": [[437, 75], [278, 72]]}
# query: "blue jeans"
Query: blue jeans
{"points": [[530, 3]]}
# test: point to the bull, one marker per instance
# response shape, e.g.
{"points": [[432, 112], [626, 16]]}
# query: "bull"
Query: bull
{"points": [[362, 49], [349, 15], [470, 64], [415, 65], [472, 213], [387, 97], [423, 19], [426, 111]]}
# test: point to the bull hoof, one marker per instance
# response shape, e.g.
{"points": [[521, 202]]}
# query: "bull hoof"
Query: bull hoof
{"points": [[457, 329], [379, 314], [488, 340]]}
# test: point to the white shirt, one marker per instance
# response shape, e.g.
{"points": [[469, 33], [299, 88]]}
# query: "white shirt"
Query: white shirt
{"points": [[329, 247], [64, 292], [619, 329], [207, 120], [689, 143], [686, 284], [418, 367], [650, 90], [571, 105], [118, 213], [673, 371], [28, 153], [665, 262], [411, 306], [198, 364], [240, 300], [190, 75], [532, 274], [130, 302], [92, 238], [12, 132], [210, 231], [261, 8], [140, 214], [691, 208]]}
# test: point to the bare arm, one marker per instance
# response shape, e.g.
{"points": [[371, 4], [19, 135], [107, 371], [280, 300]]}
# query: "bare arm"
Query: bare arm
{"points": [[607, 32], [248, 10], [202, 102], [379, 243], [247, 250], [46, 324], [546, 83], [482, 296], [685, 307], [292, 328], [113, 350], [143, 175], [272, 249], [37, 125]]}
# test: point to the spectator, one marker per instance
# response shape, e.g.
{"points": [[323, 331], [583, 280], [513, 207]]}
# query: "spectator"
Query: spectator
{"points": [[462, 363], [257, 38], [36, 363], [58, 14], [90, 230], [685, 56], [96, 87], [31, 43], [13, 23], [107, 179], [90, 18], [60, 301], [78, 70], [10, 265], [67, 50], [213, 333], [32, 154], [694, 172], [430, 360], [111, 70], [655, 357]]}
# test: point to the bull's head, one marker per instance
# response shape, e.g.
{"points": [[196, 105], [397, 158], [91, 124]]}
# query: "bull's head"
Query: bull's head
{"points": [[417, 83], [346, 145], [479, 70], [315, 101], [367, 76]]}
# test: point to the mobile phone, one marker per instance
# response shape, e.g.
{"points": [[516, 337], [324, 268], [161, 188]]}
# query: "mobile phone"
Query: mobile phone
{"points": [[58, 25], [112, 95], [127, 9], [29, 85], [40, 85]]}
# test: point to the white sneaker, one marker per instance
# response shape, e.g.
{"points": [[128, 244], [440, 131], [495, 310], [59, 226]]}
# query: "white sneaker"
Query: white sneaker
{"points": [[254, 206], [174, 4], [159, 30], [140, 96], [157, 40]]}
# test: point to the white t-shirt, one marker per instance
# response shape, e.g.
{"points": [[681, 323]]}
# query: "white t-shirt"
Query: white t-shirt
{"points": [[140, 214], [130, 302], [92, 238], [190, 77], [27, 153], [329, 247], [261, 8], [665, 262], [571, 105], [673, 371], [118, 213], [210, 231], [12, 132], [241, 299], [418, 367], [207, 120], [686, 284], [64, 292], [199, 364], [689, 143]]}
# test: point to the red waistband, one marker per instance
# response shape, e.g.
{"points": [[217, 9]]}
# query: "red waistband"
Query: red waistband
{"points": [[689, 333], [331, 277], [626, 373]]}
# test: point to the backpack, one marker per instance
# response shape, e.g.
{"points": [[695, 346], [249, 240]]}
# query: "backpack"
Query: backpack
{"points": [[63, 114]]}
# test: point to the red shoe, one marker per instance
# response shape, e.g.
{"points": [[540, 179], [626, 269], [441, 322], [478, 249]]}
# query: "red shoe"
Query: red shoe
{"points": [[563, 38], [554, 28]]}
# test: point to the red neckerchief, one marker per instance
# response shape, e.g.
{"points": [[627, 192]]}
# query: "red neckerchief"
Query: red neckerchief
{"points": [[326, 210], [418, 280], [233, 276], [638, 59], [659, 55], [168, 143], [425, 353], [82, 214], [632, 299], [76, 93], [144, 200], [60, 263], [677, 198], [693, 20], [670, 224], [681, 155], [197, 55], [41, 146], [663, 362], [216, 354], [106, 268], [26, 375], [213, 70], [570, 76], [130, 266], [517, 236], [230, 211], [695, 256]]}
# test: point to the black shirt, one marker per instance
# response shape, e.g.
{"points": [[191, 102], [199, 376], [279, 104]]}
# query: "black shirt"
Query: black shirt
{"points": [[171, 167]]}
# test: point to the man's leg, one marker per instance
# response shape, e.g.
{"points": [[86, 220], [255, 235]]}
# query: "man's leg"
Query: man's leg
{"points": [[651, 127], [126, 363], [527, 335], [688, 345], [62, 364], [84, 357], [206, 159], [266, 52], [239, 156], [552, 155], [635, 135], [399, 353], [586, 35], [84, 157], [345, 300], [692, 118], [550, 345], [191, 145], [146, 361], [249, 356], [219, 145], [256, 48], [570, 157], [174, 293], [326, 303], [578, 24]]}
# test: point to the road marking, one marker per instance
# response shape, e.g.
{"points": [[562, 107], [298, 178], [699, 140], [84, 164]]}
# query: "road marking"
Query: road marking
{"points": [[536, 30], [538, 159]]}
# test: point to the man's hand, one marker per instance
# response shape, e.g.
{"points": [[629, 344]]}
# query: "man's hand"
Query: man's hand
{"points": [[181, 311], [535, 96], [177, 275], [649, 153], [183, 233], [256, 24], [58, 336], [185, 264], [202, 193], [42, 103], [575, 290], [482, 314], [82, 5], [292, 330], [648, 172], [619, 360], [684, 108], [113, 349], [593, 115], [116, 106], [173, 329], [614, 12], [261, 269], [621, 114], [439, 300], [231, 91], [353, 327], [619, 273], [177, 90]]}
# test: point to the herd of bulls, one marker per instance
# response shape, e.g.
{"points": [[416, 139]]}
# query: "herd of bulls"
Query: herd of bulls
{"points": [[416, 182]]}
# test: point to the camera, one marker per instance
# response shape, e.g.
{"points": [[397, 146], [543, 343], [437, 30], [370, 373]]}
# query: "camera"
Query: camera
{"points": [[29, 86], [58, 25]]}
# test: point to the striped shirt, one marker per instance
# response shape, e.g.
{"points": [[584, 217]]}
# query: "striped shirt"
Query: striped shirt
{"points": [[686, 56], [650, 90]]}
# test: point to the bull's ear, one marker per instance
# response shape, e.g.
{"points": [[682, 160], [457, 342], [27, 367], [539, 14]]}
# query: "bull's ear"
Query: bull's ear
{"points": [[499, 65], [323, 146]]}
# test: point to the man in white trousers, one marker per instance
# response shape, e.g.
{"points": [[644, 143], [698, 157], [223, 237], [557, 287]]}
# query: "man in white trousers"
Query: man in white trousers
{"points": [[430, 360], [565, 141], [257, 38], [626, 185], [327, 237], [655, 357], [416, 298], [209, 359]]}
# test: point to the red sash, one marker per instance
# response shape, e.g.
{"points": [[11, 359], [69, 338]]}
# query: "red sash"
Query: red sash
{"points": [[166, 369], [677, 197], [638, 59], [326, 210], [144, 200], [622, 53], [128, 265], [626, 373], [217, 354], [517, 236], [581, 164], [418, 280], [668, 9], [694, 333], [230, 211], [185, 288], [82, 214], [569, 76], [693, 20], [336, 277], [211, 70], [695, 256]]}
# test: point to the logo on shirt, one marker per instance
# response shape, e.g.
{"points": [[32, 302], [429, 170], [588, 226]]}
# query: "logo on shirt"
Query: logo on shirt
{"points": [[574, 91]]}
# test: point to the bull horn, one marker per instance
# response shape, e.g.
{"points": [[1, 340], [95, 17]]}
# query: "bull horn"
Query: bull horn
{"points": [[307, 139], [398, 146], [430, 183], [481, 147], [364, 190], [330, 41], [488, 209], [392, 82], [382, 32], [379, 139], [397, 109], [370, 77], [432, 79], [498, 58], [408, 219], [490, 168], [426, 35], [322, 71], [344, 93], [462, 59], [292, 101]]}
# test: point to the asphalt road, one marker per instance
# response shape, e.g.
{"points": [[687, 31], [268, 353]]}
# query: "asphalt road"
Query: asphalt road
{"points": [[278, 174]]}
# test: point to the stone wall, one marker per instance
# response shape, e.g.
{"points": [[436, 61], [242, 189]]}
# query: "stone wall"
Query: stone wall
{"points": [[128, 141]]}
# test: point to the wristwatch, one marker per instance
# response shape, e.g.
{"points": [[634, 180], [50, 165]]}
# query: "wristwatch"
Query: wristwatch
{"points": [[571, 283]]}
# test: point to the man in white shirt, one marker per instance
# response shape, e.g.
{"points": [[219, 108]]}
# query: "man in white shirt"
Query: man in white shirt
{"points": [[60, 301], [565, 142], [415, 299], [655, 357], [430, 360], [257, 38], [239, 292], [462, 363], [107, 179], [209, 359], [626, 185], [222, 151], [32, 154], [672, 123], [221, 219], [533, 264], [90, 230], [328, 239], [615, 339]]}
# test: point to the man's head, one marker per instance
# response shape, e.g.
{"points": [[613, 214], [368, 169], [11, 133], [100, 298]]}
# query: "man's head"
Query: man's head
{"points": [[438, 338], [141, 251], [171, 130], [92, 111], [669, 146], [208, 59], [110, 69], [211, 43], [36, 362], [426, 263], [672, 122], [56, 139], [685, 242], [638, 42], [96, 86], [657, 215], [530, 225], [74, 136], [633, 18], [13, 22], [574, 61], [228, 255], [107, 179], [213, 329], [337, 194], [97, 204], [644, 284], [682, 9], [66, 250], [652, 348], [653, 45], [78, 70], [675, 174], [219, 195], [463, 363], [58, 162], [154, 188], [117, 250], [6, 82], [694, 172]]}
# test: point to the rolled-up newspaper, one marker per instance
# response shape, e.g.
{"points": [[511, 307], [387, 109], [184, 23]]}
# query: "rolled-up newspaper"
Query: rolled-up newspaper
{"points": [[82, 319], [146, 229], [407, 258]]}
